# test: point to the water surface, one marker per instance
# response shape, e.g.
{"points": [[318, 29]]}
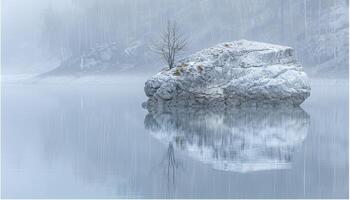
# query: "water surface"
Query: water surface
{"points": [[96, 141]]}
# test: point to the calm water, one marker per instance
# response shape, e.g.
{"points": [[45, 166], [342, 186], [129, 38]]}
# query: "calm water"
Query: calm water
{"points": [[96, 141]]}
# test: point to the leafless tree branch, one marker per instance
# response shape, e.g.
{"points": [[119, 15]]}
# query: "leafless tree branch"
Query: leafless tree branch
{"points": [[171, 43]]}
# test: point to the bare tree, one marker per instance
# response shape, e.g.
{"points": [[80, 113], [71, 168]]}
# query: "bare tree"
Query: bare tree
{"points": [[172, 43]]}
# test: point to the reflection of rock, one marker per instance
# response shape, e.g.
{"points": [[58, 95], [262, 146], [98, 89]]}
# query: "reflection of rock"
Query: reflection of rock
{"points": [[237, 140], [240, 73]]}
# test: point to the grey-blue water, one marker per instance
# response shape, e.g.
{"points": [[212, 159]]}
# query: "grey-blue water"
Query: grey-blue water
{"points": [[96, 141]]}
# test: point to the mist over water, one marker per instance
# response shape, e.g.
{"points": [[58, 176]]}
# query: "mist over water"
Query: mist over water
{"points": [[72, 88]]}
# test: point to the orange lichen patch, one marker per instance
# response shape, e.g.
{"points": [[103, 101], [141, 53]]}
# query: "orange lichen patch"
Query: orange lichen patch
{"points": [[183, 65], [200, 68]]}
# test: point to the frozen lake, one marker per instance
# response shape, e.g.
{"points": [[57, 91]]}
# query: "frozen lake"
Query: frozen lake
{"points": [[96, 141]]}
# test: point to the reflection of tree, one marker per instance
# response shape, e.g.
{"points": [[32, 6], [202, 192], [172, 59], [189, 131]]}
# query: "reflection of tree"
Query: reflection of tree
{"points": [[170, 162], [170, 166], [239, 140]]}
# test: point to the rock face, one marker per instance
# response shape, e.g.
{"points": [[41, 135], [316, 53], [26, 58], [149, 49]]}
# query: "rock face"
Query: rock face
{"points": [[239, 73], [241, 140], [102, 58]]}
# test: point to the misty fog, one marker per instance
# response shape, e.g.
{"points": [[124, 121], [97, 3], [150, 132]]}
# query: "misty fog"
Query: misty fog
{"points": [[74, 115], [38, 35]]}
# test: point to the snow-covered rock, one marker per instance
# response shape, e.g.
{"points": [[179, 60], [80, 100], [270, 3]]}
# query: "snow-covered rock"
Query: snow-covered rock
{"points": [[241, 140], [102, 58], [239, 73], [328, 41]]}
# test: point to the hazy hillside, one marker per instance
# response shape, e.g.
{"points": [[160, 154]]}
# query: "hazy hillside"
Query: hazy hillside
{"points": [[318, 30]]}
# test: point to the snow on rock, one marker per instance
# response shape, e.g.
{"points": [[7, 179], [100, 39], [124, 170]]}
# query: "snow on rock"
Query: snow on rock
{"points": [[239, 73], [101, 58], [328, 41], [241, 139]]}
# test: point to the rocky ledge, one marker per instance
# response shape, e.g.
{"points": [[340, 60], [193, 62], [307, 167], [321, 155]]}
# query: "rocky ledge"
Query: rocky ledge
{"points": [[239, 73]]}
